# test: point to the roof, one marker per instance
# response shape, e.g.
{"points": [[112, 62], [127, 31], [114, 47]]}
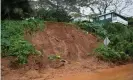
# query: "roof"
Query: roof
{"points": [[115, 14]]}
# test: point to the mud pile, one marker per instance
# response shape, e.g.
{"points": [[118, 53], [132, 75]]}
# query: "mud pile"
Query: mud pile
{"points": [[65, 40]]}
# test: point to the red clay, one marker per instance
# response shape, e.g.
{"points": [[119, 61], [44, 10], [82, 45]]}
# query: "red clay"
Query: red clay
{"points": [[65, 40], [118, 73], [89, 69], [71, 43]]}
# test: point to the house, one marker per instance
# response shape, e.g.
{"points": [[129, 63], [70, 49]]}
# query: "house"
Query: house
{"points": [[111, 17], [81, 18]]}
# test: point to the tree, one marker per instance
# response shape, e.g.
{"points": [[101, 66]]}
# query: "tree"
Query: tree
{"points": [[59, 15], [104, 6], [15, 9], [121, 5], [68, 5]]}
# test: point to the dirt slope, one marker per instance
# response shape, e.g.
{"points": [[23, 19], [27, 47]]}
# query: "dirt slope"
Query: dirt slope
{"points": [[65, 40], [71, 43]]}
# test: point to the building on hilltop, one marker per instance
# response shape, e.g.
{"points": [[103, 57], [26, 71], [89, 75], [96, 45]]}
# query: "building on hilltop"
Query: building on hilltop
{"points": [[111, 17]]}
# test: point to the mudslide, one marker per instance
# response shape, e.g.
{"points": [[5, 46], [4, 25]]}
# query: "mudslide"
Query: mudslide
{"points": [[75, 47], [124, 72]]}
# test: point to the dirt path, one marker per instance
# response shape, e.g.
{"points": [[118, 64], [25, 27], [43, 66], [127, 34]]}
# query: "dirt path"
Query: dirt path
{"points": [[91, 69], [124, 72]]}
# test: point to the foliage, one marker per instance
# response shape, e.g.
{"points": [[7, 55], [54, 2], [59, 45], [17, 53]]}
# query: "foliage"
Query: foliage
{"points": [[54, 57], [121, 37], [108, 54], [59, 15], [12, 38], [129, 50], [21, 49], [93, 27], [15, 9], [130, 21]]}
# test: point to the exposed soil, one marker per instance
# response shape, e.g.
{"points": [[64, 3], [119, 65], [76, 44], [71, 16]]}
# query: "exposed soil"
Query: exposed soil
{"points": [[88, 69], [85, 65], [65, 40], [73, 45], [124, 72], [62, 39]]}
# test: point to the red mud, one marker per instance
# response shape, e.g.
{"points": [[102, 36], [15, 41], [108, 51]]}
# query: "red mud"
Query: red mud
{"points": [[62, 39], [71, 43], [65, 40], [88, 65], [89, 69], [124, 72]]}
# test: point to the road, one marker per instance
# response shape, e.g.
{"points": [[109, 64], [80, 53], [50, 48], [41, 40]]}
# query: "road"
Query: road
{"points": [[124, 72]]}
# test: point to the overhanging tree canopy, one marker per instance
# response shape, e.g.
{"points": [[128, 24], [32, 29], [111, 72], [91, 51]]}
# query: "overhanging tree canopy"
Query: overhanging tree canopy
{"points": [[15, 9]]}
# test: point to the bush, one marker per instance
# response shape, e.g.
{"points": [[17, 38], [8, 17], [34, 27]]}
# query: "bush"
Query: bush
{"points": [[129, 50], [121, 37], [108, 54], [59, 15], [21, 49], [12, 38], [93, 27]]}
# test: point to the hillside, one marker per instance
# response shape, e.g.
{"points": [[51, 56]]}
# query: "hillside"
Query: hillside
{"points": [[73, 47]]}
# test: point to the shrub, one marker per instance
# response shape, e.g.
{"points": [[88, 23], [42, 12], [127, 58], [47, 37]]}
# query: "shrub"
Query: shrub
{"points": [[121, 37], [95, 28], [12, 38], [59, 15], [121, 41], [129, 50], [108, 54]]}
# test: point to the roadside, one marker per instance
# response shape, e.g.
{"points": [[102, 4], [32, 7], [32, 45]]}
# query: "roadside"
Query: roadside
{"points": [[124, 72]]}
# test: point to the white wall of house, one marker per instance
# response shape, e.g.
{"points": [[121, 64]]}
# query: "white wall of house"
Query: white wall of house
{"points": [[120, 20], [101, 18], [108, 16], [80, 19]]}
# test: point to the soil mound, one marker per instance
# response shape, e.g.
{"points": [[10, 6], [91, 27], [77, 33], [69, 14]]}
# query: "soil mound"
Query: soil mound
{"points": [[65, 40]]}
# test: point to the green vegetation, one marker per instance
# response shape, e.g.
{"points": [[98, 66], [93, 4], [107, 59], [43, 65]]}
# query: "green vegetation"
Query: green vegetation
{"points": [[95, 28], [130, 21], [12, 38], [54, 57], [111, 55], [59, 15], [119, 50], [15, 9], [121, 47]]}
